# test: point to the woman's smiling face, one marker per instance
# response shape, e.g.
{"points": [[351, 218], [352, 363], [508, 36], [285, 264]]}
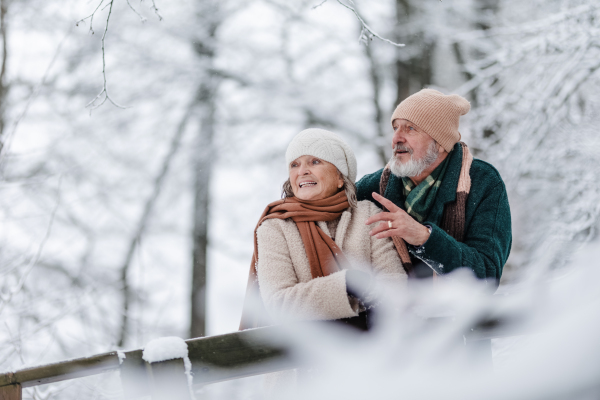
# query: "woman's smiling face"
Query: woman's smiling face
{"points": [[314, 179]]}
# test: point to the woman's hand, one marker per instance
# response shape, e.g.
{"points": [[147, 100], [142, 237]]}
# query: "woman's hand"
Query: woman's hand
{"points": [[402, 224]]}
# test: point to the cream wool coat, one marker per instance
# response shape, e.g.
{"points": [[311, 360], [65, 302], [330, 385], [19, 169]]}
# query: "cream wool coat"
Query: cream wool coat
{"points": [[286, 285]]}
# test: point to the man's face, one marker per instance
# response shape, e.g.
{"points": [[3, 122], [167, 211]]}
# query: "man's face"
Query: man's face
{"points": [[410, 137], [414, 150]]}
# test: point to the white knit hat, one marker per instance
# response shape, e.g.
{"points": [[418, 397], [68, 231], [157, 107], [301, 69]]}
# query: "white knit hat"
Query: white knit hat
{"points": [[325, 145]]}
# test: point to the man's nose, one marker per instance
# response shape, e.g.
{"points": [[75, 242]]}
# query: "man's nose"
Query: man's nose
{"points": [[399, 137]]}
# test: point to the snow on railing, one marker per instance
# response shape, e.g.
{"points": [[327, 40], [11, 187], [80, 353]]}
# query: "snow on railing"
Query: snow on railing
{"points": [[165, 367]]}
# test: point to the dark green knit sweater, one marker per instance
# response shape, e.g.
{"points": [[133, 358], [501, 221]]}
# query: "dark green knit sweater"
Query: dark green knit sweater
{"points": [[488, 234]]}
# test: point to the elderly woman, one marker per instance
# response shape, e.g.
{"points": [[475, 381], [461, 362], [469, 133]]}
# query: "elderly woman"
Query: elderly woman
{"points": [[311, 245]]}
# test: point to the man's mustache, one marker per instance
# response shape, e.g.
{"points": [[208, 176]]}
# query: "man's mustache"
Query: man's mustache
{"points": [[400, 147]]}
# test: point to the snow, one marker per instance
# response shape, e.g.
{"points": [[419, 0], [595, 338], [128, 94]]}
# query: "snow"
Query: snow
{"points": [[403, 355], [121, 356], [190, 378], [97, 171], [170, 348], [165, 348]]}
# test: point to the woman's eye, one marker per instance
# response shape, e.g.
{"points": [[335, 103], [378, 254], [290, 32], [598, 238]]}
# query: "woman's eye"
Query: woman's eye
{"points": [[316, 161], [293, 165], [411, 128]]}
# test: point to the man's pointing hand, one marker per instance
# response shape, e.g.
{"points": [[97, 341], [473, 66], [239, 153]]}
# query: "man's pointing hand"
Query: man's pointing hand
{"points": [[397, 222]]}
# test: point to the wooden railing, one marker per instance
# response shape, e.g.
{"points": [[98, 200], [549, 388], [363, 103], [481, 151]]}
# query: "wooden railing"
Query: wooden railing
{"points": [[214, 359]]}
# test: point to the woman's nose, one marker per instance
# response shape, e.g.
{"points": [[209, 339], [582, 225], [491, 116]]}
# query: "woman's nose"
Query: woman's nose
{"points": [[303, 170]]}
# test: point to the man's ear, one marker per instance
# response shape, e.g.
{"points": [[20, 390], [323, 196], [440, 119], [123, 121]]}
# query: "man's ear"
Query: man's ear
{"points": [[441, 150]]}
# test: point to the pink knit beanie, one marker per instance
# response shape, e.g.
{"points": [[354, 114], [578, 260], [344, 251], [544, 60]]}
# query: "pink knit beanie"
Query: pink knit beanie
{"points": [[435, 113]]}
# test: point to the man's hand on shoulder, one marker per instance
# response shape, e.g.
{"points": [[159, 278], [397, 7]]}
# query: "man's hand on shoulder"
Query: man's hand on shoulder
{"points": [[397, 222]]}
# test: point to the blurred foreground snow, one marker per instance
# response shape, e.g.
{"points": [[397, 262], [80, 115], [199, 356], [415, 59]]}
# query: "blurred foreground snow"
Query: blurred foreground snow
{"points": [[556, 354]]}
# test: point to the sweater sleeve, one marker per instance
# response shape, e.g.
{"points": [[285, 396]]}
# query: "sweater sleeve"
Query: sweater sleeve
{"points": [[487, 241], [284, 295]]}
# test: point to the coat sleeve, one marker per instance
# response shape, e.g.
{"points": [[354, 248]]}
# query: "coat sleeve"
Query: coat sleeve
{"points": [[367, 185], [487, 241], [387, 266], [283, 294]]}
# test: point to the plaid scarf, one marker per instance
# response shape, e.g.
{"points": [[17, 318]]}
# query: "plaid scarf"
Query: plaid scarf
{"points": [[419, 199], [453, 219]]}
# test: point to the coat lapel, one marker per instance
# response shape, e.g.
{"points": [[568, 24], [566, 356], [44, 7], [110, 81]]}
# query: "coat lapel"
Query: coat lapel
{"points": [[393, 191], [342, 227]]}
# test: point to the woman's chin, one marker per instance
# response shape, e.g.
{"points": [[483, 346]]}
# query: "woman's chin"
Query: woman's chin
{"points": [[308, 195]]}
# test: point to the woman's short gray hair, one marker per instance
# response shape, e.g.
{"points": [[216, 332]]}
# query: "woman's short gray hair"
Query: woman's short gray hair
{"points": [[349, 187]]}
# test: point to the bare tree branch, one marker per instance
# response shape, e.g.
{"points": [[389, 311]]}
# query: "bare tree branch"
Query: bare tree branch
{"points": [[6, 298], [91, 18], [319, 5], [104, 95], [367, 33], [4, 87], [6, 144], [156, 11], [142, 18], [104, 90]]}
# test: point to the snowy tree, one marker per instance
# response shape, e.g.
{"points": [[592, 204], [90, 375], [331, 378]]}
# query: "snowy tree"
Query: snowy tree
{"points": [[536, 121], [107, 218]]}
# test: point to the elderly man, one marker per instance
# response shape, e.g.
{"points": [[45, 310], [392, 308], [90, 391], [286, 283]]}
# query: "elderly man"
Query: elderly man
{"points": [[446, 210]]}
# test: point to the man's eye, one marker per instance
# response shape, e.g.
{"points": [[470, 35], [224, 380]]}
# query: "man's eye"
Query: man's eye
{"points": [[411, 128], [293, 165], [316, 161]]}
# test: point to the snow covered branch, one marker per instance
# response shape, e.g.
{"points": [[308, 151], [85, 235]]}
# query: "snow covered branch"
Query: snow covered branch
{"points": [[535, 120], [103, 96], [367, 33], [142, 18]]}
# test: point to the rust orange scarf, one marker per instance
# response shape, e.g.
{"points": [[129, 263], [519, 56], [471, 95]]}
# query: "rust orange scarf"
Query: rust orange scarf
{"points": [[324, 256]]}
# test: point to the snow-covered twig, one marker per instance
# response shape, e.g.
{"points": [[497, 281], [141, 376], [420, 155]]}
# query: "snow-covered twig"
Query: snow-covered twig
{"points": [[367, 33], [104, 90], [319, 5], [156, 11], [91, 17], [142, 18], [103, 95], [366, 29], [529, 27]]}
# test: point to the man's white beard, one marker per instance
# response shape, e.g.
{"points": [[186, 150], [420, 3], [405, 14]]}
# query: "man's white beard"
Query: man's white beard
{"points": [[413, 167]]}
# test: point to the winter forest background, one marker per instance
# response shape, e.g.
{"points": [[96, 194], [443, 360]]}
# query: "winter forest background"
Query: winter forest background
{"points": [[124, 213]]}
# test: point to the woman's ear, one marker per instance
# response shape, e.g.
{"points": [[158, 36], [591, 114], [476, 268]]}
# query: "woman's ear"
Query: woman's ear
{"points": [[340, 182]]}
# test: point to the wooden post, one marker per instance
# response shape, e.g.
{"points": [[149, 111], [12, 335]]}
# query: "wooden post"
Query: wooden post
{"points": [[168, 380], [11, 392]]}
